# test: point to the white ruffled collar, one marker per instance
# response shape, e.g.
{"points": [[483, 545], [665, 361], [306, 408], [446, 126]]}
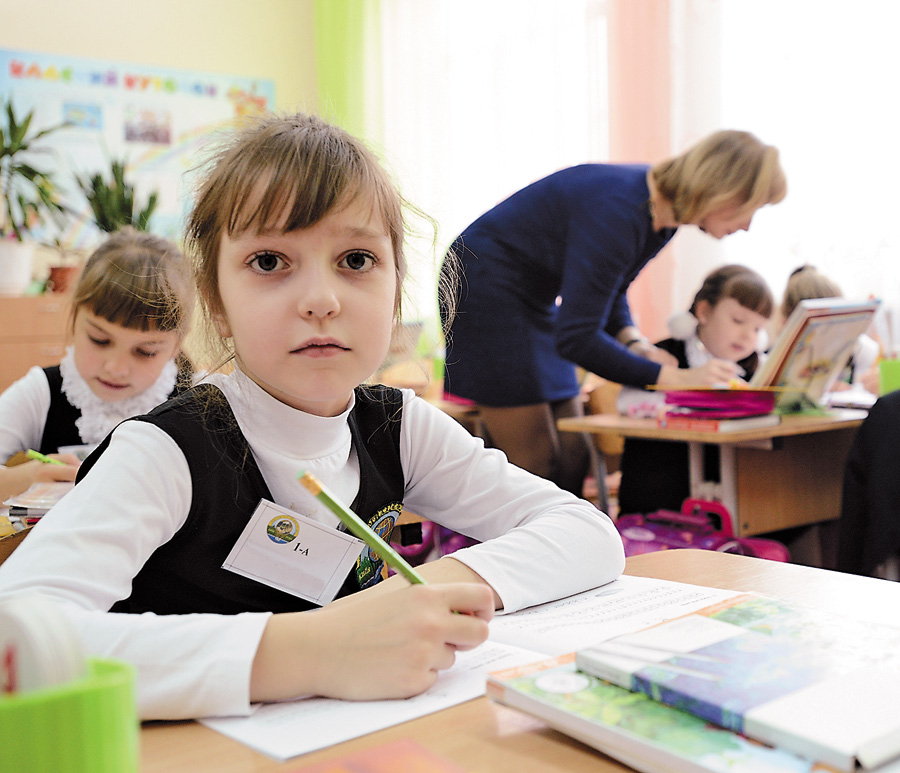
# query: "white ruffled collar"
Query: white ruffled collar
{"points": [[695, 352], [99, 417]]}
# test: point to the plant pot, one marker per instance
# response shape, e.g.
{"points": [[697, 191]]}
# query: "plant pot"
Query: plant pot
{"points": [[16, 262], [62, 278]]}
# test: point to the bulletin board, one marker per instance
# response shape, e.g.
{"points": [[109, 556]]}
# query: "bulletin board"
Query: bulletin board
{"points": [[159, 121]]}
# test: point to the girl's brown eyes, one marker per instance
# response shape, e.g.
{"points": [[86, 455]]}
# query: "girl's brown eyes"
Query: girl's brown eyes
{"points": [[266, 261], [358, 260]]}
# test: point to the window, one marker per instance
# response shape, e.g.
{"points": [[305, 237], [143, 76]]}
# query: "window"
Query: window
{"points": [[482, 98], [819, 81]]}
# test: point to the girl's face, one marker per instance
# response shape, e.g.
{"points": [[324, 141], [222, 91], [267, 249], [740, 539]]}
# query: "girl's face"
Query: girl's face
{"points": [[119, 362], [728, 330], [310, 311]]}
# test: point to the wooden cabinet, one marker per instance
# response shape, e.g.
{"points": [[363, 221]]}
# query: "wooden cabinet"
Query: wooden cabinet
{"points": [[33, 331]]}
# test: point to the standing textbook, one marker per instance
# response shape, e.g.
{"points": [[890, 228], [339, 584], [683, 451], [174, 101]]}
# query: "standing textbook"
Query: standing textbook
{"points": [[814, 683], [630, 727], [812, 349]]}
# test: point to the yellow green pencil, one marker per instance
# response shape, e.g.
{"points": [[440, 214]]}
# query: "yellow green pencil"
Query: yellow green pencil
{"points": [[32, 454], [358, 528]]}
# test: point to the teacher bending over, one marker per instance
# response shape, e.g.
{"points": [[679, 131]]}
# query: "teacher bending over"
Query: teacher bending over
{"points": [[544, 281]]}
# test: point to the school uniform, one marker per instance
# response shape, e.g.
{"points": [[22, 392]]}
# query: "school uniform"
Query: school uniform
{"points": [[53, 407], [656, 473], [185, 574], [139, 496]]}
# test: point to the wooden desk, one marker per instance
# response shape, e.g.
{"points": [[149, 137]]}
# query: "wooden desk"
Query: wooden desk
{"points": [[483, 736], [770, 478]]}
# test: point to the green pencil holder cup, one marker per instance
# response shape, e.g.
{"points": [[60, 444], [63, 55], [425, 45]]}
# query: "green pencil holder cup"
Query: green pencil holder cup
{"points": [[888, 376], [88, 725]]}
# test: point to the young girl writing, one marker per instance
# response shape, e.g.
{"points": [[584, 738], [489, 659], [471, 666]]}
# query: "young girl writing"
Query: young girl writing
{"points": [[131, 309], [726, 323], [298, 237]]}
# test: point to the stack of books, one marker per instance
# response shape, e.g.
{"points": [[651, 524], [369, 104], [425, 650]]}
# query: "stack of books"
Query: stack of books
{"points": [[747, 684], [33, 503], [719, 410]]}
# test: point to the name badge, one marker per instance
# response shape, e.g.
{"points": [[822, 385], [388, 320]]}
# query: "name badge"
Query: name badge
{"points": [[293, 553]]}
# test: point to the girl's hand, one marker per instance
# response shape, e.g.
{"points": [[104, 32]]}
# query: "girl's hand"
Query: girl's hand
{"points": [[14, 480], [55, 472], [871, 380], [370, 647], [713, 373], [42, 472]]}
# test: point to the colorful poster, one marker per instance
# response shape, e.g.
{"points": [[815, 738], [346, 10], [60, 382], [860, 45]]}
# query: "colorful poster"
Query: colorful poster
{"points": [[158, 121]]}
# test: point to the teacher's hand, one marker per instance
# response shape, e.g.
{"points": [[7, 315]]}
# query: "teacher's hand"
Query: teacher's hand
{"points": [[714, 372]]}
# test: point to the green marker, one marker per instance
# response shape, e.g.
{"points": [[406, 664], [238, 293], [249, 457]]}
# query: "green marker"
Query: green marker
{"points": [[32, 454], [359, 529]]}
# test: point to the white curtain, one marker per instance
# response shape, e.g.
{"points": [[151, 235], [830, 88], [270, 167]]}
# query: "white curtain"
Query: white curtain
{"points": [[482, 97], [820, 81]]}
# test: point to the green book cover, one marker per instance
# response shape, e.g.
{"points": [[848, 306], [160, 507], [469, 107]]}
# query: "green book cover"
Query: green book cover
{"points": [[819, 684], [631, 727]]}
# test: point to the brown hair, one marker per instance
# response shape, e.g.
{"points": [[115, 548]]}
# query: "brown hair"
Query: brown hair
{"points": [[739, 282], [727, 168], [806, 282], [286, 172], [139, 281]]}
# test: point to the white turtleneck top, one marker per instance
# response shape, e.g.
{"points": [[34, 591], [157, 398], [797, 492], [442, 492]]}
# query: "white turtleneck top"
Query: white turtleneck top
{"points": [[538, 542]]}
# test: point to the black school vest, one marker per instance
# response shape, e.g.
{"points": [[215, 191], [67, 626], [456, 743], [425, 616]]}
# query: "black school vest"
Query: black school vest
{"points": [[60, 429], [185, 574]]}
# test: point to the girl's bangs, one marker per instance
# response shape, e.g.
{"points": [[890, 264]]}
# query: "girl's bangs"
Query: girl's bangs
{"points": [[279, 199], [144, 305]]}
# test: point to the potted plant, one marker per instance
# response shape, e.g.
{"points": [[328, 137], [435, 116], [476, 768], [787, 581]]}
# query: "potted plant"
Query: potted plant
{"points": [[63, 271], [28, 197], [113, 202]]}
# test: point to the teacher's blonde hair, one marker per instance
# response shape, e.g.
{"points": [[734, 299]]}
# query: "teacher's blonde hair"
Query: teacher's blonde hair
{"points": [[727, 168]]}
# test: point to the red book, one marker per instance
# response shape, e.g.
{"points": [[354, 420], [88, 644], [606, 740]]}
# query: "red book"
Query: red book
{"points": [[697, 422]]}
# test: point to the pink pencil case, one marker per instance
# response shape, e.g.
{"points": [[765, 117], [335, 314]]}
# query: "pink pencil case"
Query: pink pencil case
{"points": [[737, 402]]}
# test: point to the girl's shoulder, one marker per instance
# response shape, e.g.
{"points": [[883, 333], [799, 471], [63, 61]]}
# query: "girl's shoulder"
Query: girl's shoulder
{"points": [[35, 385], [377, 407], [677, 347]]}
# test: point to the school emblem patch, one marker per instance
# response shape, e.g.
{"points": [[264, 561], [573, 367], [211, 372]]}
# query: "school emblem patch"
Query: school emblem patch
{"points": [[282, 529], [369, 565]]}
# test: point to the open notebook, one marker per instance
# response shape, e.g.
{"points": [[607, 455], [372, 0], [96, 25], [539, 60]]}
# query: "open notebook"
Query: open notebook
{"points": [[812, 349]]}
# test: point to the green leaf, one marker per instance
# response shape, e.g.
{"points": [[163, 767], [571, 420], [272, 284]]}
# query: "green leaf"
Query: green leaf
{"points": [[29, 194]]}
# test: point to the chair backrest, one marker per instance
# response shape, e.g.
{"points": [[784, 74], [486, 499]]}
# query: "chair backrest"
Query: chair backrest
{"points": [[602, 399]]}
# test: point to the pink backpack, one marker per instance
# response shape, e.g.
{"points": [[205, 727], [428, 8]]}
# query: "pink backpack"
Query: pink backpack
{"points": [[700, 524]]}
